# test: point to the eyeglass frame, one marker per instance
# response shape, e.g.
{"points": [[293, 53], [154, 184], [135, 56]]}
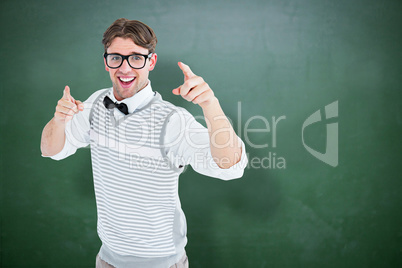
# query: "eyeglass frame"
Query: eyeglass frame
{"points": [[126, 58]]}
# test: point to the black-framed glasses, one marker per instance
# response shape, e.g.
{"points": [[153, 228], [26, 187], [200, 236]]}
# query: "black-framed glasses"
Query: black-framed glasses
{"points": [[136, 61]]}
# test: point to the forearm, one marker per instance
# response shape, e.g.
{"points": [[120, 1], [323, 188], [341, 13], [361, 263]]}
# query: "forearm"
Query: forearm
{"points": [[224, 144], [53, 135], [53, 138]]}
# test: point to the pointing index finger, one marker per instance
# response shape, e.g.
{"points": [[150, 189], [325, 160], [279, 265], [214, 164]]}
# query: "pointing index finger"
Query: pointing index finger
{"points": [[67, 94], [186, 71]]}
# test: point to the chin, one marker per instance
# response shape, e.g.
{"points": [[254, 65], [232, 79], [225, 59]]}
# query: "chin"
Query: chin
{"points": [[127, 94], [123, 93]]}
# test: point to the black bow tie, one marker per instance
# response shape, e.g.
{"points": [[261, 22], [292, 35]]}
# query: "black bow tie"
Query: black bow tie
{"points": [[111, 105]]}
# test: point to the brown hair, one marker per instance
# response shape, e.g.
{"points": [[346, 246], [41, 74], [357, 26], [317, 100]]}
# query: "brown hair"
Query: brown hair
{"points": [[141, 34]]}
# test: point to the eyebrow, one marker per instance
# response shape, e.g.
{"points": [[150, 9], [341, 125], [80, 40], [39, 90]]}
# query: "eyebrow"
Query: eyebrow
{"points": [[131, 53]]}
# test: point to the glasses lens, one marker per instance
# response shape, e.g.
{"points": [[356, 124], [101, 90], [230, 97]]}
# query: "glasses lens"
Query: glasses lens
{"points": [[136, 61], [113, 60]]}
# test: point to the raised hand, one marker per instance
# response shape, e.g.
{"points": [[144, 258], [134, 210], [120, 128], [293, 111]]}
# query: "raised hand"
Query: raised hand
{"points": [[66, 107], [194, 88]]}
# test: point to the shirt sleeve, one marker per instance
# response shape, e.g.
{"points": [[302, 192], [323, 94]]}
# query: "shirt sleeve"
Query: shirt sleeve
{"points": [[77, 130], [186, 142]]}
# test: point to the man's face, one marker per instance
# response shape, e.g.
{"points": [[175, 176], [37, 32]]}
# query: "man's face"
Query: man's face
{"points": [[121, 89]]}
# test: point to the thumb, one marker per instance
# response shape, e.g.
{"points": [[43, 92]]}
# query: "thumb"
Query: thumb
{"points": [[176, 91], [80, 105]]}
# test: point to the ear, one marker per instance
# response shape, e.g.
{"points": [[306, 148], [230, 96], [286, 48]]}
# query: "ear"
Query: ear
{"points": [[152, 61], [106, 68]]}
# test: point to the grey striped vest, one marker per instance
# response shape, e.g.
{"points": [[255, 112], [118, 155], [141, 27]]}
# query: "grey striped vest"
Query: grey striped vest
{"points": [[135, 186]]}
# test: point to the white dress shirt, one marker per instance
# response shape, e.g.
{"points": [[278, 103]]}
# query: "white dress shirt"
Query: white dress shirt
{"points": [[186, 140]]}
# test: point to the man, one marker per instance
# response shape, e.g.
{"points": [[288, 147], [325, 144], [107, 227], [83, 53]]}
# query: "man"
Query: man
{"points": [[139, 146]]}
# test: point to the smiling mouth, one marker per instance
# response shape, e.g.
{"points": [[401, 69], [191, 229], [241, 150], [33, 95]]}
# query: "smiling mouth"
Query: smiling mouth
{"points": [[126, 82]]}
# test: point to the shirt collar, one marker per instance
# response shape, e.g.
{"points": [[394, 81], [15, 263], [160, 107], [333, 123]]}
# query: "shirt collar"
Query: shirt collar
{"points": [[139, 100]]}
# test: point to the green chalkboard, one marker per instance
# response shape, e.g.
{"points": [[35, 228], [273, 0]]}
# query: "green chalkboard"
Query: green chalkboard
{"points": [[312, 87]]}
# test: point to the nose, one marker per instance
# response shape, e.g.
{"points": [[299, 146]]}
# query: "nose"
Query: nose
{"points": [[125, 68]]}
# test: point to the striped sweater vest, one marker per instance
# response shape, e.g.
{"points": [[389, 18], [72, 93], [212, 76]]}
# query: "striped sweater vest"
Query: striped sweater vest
{"points": [[135, 186]]}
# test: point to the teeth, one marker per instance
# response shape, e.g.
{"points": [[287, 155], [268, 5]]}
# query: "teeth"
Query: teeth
{"points": [[126, 79]]}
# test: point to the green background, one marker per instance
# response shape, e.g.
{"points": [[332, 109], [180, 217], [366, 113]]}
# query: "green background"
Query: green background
{"points": [[262, 58]]}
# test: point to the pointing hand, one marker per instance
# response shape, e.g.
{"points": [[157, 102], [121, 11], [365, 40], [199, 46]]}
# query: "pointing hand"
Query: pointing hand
{"points": [[194, 88], [67, 106]]}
